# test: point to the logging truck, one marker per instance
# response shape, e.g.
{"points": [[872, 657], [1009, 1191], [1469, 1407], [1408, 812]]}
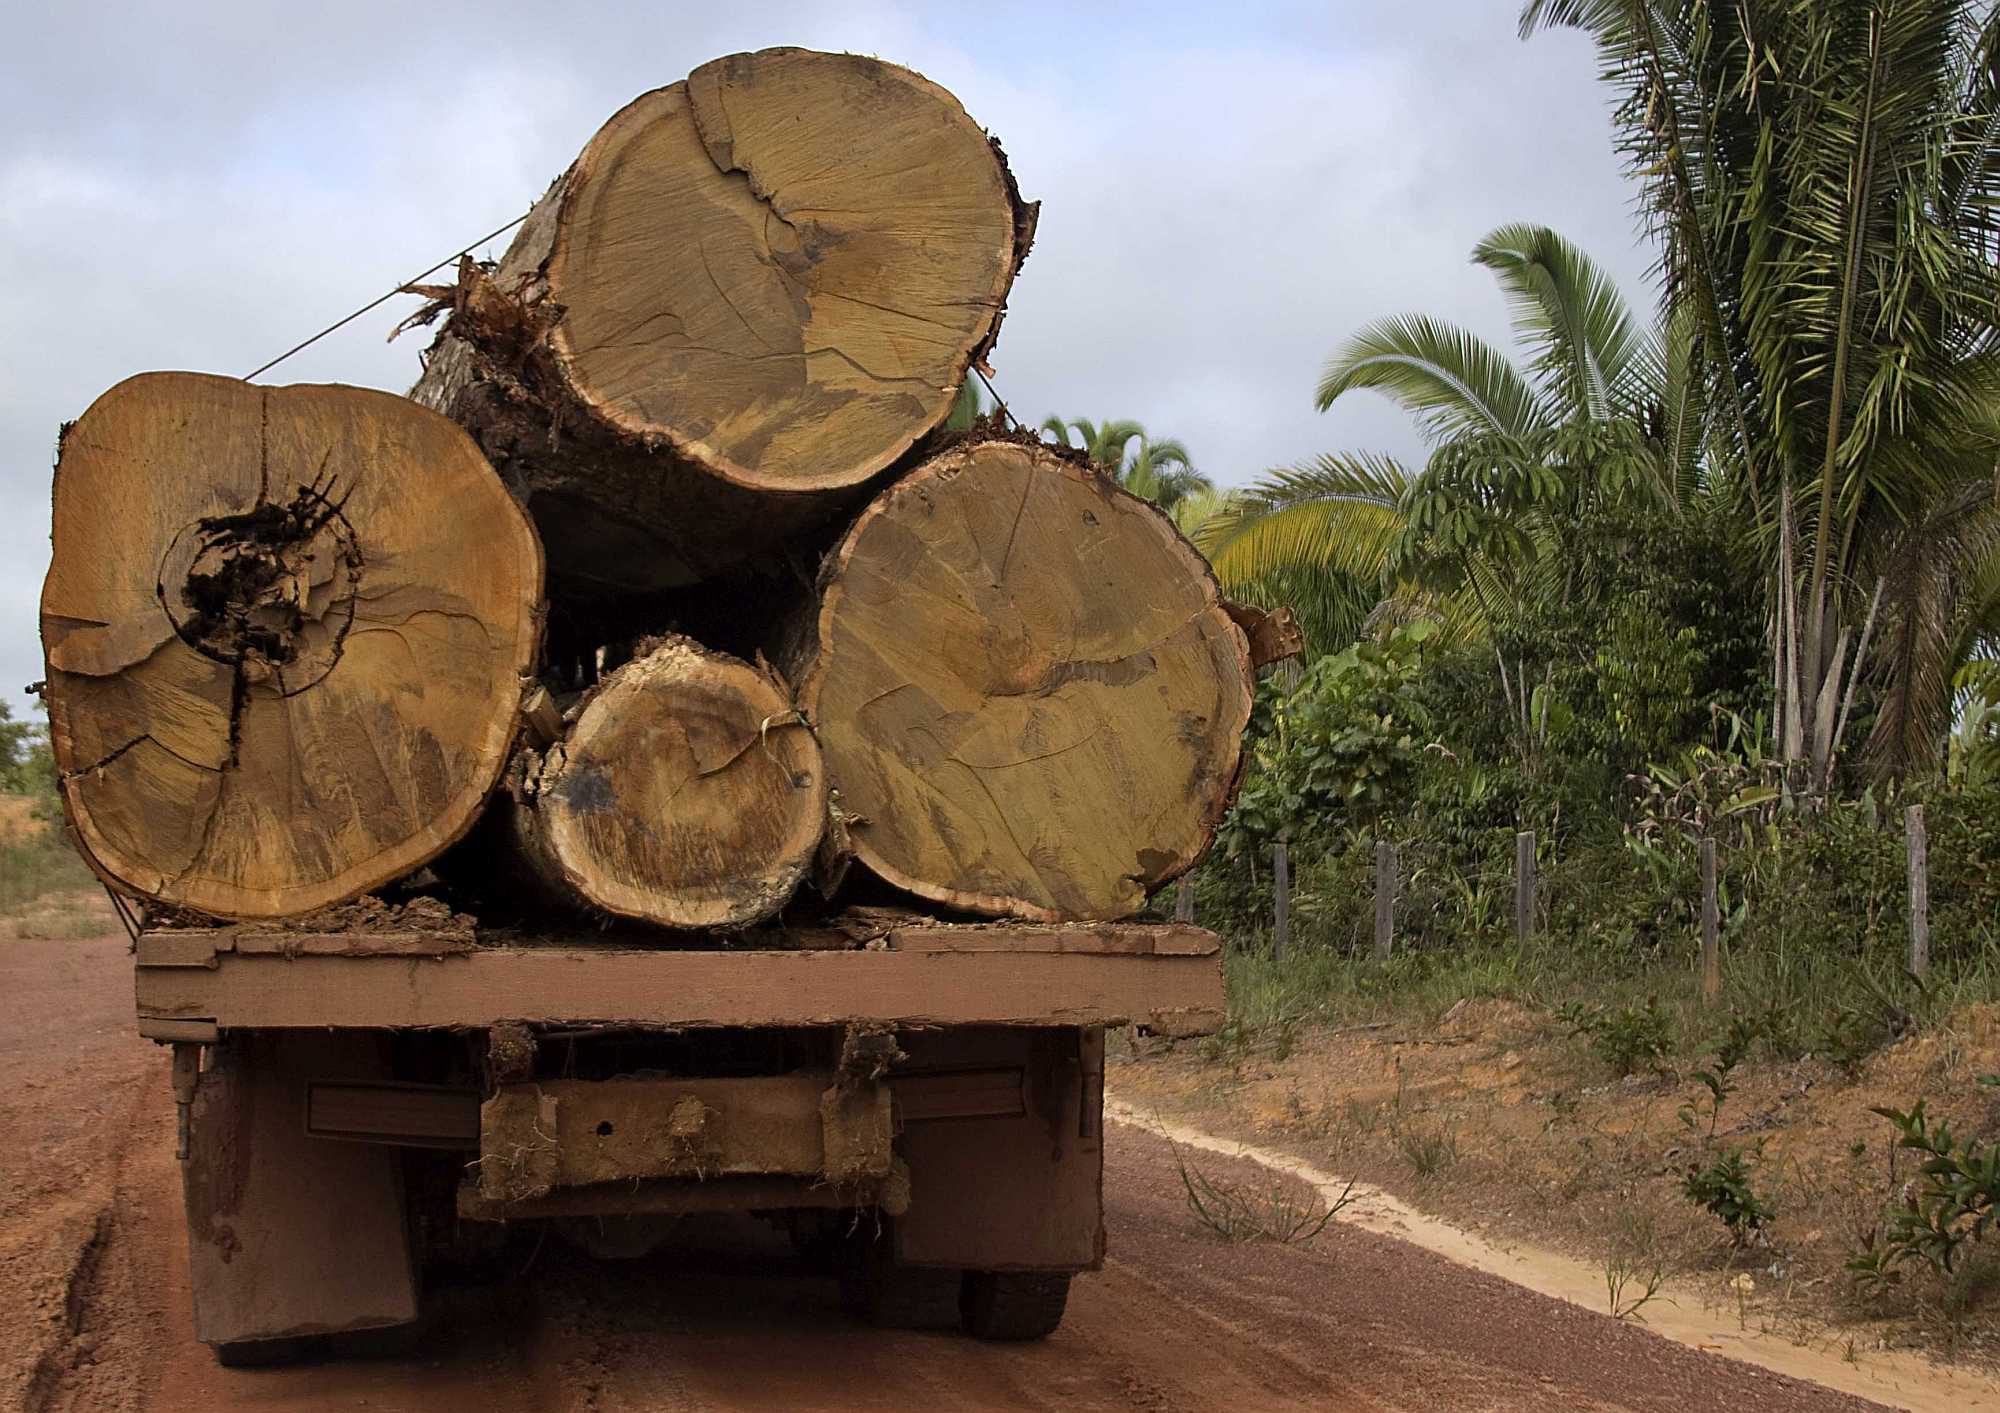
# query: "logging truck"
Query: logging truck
{"points": [[483, 768], [921, 1103]]}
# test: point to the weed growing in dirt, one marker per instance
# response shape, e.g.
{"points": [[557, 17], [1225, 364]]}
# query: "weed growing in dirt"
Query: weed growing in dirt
{"points": [[1723, 1188], [1274, 1212], [1624, 1037], [1431, 1149], [1882, 1013], [1743, 1033], [1634, 1269], [1231, 1042], [1630, 1285]]}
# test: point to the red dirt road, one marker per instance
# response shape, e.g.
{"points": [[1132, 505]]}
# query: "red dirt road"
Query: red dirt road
{"points": [[93, 1273]]}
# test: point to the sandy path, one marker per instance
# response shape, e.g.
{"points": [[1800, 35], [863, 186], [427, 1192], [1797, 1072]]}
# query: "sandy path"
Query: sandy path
{"points": [[729, 1319]]}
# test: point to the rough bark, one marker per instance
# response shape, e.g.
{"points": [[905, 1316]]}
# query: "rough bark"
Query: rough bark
{"points": [[686, 791], [286, 632], [752, 293], [1029, 692]]}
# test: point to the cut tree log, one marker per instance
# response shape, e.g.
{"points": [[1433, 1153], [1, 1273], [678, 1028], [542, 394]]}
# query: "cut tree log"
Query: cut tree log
{"points": [[687, 791], [1029, 692], [286, 632], [753, 292]]}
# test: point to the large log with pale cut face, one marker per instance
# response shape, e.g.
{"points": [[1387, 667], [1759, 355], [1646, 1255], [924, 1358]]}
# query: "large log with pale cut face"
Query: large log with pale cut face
{"points": [[286, 632], [1030, 695], [752, 293]]}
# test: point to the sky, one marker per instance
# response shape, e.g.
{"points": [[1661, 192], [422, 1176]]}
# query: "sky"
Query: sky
{"points": [[1227, 192]]}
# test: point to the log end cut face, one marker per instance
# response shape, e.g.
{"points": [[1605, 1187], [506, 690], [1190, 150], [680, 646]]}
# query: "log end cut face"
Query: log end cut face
{"points": [[689, 793], [784, 265], [286, 630], [1030, 696]]}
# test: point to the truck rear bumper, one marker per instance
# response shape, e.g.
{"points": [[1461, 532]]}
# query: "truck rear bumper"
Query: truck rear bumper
{"points": [[193, 984]]}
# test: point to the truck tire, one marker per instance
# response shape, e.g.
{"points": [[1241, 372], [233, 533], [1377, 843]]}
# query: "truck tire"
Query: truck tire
{"points": [[263, 1353], [382, 1342], [1013, 1304], [876, 1288]]}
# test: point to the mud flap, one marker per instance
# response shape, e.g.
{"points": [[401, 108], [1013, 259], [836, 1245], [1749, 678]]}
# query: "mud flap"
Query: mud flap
{"points": [[290, 1235], [1016, 1193]]}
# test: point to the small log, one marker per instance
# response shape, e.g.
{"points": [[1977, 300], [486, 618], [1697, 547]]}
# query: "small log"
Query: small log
{"points": [[687, 792], [1029, 692], [752, 293], [286, 632]]}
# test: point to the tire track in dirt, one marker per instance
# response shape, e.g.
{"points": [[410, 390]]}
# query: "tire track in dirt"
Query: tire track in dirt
{"points": [[77, 1083]]}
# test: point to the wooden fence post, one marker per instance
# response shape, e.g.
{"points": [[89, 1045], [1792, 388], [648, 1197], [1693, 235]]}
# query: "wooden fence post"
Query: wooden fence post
{"points": [[1281, 899], [1184, 900], [1385, 898], [1524, 884], [1920, 891], [1711, 928]]}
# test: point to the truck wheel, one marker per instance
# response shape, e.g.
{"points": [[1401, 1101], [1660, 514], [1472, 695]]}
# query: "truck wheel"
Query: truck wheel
{"points": [[262, 1353], [822, 1240], [873, 1287], [382, 1342], [1013, 1304]]}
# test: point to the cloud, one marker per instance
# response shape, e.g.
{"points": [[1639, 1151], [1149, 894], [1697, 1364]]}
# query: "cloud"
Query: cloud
{"points": [[1227, 191]]}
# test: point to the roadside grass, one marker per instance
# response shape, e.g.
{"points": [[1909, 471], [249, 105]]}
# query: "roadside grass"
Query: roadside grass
{"points": [[1430, 1148], [37, 868], [1838, 1007]]}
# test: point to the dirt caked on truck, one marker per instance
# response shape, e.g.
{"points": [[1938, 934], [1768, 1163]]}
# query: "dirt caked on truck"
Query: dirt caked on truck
{"points": [[922, 1101]]}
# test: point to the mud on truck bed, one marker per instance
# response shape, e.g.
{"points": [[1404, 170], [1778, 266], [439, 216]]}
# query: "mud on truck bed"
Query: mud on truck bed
{"points": [[918, 1102]]}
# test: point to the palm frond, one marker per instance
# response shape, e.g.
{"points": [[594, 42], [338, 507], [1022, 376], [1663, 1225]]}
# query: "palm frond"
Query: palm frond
{"points": [[1336, 514], [1192, 512], [1570, 312], [1671, 388], [1598, 16], [1057, 428], [1167, 451], [1450, 380], [1942, 598], [1333, 610]]}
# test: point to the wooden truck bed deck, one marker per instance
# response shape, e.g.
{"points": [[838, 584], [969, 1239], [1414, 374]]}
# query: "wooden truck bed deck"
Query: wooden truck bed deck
{"points": [[192, 984]]}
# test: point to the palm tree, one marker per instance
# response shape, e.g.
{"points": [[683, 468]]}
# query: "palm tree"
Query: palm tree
{"points": [[1515, 449], [1823, 179], [1158, 471]]}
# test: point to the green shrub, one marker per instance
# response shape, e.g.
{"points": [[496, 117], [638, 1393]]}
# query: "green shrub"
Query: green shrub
{"points": [[1952, 1204], [1722, 1187], [1745, 1030], [1624, 1037]]}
